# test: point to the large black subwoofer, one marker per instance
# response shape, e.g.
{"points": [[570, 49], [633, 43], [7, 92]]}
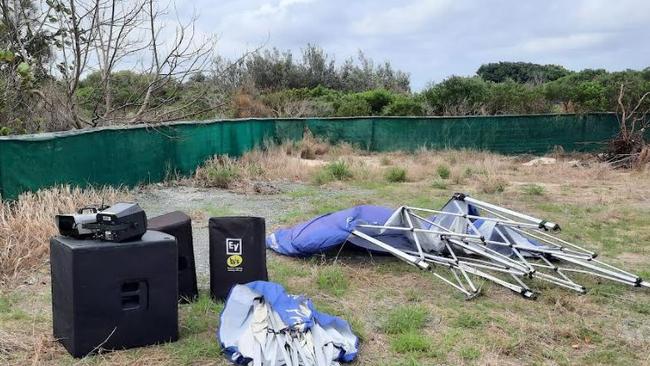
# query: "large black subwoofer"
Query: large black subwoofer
{"points": [[237, 253], [179, 225], [109, 296]]}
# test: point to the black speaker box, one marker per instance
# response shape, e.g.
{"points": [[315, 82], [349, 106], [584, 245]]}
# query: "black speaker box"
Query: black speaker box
{"points": [[237, 253], [110, 296], [179, 225]]}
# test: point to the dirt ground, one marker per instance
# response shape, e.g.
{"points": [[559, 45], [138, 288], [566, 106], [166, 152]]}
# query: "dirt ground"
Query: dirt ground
{"points": [[404, 316]]}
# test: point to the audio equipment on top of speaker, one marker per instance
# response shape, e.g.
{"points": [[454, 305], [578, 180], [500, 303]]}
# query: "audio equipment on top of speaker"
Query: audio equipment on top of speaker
{"points": [[179, 225], [108, 295], [237, 253]]}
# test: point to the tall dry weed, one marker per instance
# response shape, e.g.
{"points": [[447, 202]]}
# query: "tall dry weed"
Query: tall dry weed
{"points": [[27, 223]]}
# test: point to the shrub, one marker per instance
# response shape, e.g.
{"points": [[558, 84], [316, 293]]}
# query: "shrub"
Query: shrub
{"points": [[377, 99], [404, 106], [458, 96], [353, 105], [396, 175], [443, 171]]}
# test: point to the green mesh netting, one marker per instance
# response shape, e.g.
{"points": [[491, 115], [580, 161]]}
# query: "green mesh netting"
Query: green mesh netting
{"points": [[140, 154]]}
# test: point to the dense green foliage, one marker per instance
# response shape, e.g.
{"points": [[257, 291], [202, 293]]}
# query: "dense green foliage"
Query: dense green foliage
{"points": [[521, 72], [576, 92], [271, 83]]}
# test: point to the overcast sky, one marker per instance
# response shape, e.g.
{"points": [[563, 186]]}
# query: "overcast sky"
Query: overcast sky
{"points": [[433, 39]]}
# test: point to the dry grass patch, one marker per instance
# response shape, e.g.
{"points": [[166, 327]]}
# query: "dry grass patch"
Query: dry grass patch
{"points": [[27, 223]]}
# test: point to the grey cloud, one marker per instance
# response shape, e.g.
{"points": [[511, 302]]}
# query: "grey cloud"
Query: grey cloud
{"points": [[434, 39]]}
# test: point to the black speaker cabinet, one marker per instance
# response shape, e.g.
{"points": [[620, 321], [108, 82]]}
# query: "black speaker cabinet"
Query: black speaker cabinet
{"points": [[179, 225], [110, 296], [237, 253]]}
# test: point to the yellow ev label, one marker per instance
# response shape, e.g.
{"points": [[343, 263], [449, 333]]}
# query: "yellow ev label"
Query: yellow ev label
{"points": [[234, 261]]}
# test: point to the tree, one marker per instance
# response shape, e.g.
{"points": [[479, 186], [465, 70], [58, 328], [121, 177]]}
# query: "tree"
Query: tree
{"points": [[96, 39], [521, 72], [629, 147], [24, 53]]}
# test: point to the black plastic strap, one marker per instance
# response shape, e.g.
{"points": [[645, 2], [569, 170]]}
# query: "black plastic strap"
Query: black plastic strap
{"points": [[459, 196], [542, 224]]}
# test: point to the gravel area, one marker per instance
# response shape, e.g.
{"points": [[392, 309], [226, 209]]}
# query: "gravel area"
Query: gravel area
{"points": [[201, 203]]}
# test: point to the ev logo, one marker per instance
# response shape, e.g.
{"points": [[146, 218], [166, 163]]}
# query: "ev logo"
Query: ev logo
{"points": [[233, 246]]}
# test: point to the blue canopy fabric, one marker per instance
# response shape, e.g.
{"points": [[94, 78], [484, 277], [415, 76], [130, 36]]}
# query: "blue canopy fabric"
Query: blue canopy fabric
{"points": [[331, 230], [326, 231], [263, 325]]}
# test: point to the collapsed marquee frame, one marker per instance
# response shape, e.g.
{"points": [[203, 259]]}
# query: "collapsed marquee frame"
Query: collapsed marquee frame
{"points": [[517, 247]]}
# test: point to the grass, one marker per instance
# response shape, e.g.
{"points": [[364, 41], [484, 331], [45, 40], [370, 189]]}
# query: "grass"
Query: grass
{"points": [[468, 321], [403, 316], [533, 190], [332, 279], [469, 353], [439, 184], [410, 342], [27, 224]]}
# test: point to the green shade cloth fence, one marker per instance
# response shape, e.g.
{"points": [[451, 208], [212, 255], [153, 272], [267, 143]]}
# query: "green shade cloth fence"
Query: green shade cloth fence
{"points": [[142, 154]]}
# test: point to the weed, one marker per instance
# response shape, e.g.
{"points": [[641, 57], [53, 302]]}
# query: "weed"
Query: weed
{"points": [[468, 321], [385, 160], [396, 175], [336, 170], [533, 190], [439, 184], [405, 318], [410, 342], [469, 353], [194, 347], [339, 169], [358, 327], [199, 316], [443, 171], [414, 295], [492, 184], [27, 223], [219, 172], [332, 279], [589, 335], [311, 147]]}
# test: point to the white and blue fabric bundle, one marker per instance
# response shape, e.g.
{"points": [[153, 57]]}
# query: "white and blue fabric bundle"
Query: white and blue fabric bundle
{"points": [[263, 325]]}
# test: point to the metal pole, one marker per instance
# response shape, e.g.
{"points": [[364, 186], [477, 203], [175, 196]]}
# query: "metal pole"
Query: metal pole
{"points": [[547, 224], [418, 262]]}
